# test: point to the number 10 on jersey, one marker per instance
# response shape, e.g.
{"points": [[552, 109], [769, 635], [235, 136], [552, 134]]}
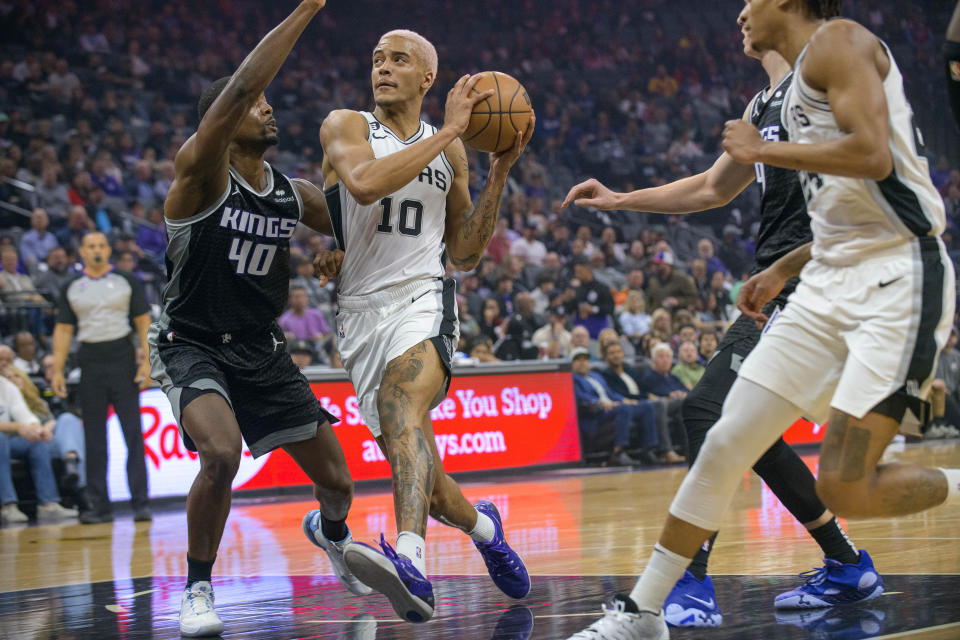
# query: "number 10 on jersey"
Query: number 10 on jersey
{"points": [[252, 258]]}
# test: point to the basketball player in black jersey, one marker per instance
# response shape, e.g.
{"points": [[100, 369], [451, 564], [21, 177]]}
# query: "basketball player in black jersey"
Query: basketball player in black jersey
{"points": [[784, 226], [216, 348]]}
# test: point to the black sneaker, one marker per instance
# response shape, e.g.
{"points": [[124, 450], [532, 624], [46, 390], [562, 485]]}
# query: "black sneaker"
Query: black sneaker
{"points": [[142, 514], [95, 517]]}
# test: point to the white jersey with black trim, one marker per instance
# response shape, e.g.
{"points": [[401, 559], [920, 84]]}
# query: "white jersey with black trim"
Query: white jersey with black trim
{"points": [[853, 217], [399, 239]]}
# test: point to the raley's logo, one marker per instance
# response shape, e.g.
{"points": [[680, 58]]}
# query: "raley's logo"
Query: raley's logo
{"points": [[171, 468], [256, 224]]}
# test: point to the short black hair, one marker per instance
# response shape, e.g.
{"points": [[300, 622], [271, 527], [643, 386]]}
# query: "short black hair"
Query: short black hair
{"points": [[211, 94], [824, 9]]}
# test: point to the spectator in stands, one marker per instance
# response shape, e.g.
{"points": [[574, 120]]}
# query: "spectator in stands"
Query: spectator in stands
{"points": [[705, 252], [18, 287], [607, 275], [668, 393], [636, 259], [500, 242], [22, 436], [51, 280], [598, 404], [303, 353], [51, 195], [490, 320], [559, 241], [594, 303], [670, 288], [553, 339], [662, 83], [318, 296], [732, 253], [78, 225], [36, 243], [518, 335], [688, 368], [302, 322], [544, 292], [635, 282], [25, 351], [481, 349], [140, 188], [101, 304], [528, 246], [661, 328], [634, 320], [152, 237], [612, 249], [708, 344], [945, 397], [505, 293]]}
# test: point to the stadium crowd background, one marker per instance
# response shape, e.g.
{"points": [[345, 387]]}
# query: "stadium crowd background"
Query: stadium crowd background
{"points": [[96, 99]]}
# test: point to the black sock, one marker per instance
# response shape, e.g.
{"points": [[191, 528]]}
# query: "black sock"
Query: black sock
{"points": [[698, 566], [333, 530], [835, 543], [198, 571]]}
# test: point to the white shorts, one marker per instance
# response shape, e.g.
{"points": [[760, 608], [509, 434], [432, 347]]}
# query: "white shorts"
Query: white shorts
{"points": [[850, 337], [374, 329]]}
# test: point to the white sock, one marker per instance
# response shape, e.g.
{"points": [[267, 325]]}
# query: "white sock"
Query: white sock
{"points": [[485, 529], [656, 581], [413, 547], [953, 485]]}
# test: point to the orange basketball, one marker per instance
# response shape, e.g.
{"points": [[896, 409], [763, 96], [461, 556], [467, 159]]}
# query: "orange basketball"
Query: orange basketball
{"points": [[496, 120]]}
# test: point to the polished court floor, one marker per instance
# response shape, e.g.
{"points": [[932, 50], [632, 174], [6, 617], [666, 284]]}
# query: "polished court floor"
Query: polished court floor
{"points": [[584, 533]]}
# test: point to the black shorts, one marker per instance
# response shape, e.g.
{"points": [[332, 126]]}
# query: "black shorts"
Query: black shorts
{"points": [[271, 399]]}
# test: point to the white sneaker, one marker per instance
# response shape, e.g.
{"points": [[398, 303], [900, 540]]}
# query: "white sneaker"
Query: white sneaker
{"points": [[618, 623], [53, 511], [197, 617], [11, 514], [314, 533]]}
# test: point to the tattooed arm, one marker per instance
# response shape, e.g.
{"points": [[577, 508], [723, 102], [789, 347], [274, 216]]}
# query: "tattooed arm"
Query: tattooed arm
{"points": [[470, 225]]}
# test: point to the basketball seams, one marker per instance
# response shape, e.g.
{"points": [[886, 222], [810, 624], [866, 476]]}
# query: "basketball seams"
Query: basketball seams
{"points": [[496, 81], [486, 124]]}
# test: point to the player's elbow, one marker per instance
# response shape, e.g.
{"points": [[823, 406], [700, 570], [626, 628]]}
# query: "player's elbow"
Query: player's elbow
{"points": [[363, 194], [878, 165]]}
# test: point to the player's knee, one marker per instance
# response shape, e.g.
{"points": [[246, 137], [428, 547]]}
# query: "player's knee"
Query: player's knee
{"points": [[220, 461]]}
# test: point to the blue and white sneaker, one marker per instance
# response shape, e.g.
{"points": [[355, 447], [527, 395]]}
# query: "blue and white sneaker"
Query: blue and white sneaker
{"points": [[837, 623], [314, 533], [503, 564], [393, 575], [833, 584], [692, 603]]}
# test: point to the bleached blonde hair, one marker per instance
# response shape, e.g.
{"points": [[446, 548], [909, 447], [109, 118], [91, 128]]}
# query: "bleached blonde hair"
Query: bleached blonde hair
{"points": [[424, 49]]}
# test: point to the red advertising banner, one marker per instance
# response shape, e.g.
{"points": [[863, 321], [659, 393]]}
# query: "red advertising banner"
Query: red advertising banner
{"points": [[493, 421]]}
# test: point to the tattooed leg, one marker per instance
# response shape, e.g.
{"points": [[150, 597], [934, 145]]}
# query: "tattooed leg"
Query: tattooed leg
{"points": [[420, 487], [853, 485]]}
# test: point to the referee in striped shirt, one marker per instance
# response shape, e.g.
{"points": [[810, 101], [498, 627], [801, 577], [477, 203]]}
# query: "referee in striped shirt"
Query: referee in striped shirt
{"points": [[102, 304]]}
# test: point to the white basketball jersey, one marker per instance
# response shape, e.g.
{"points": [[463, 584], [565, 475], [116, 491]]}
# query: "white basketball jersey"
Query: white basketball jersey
{"points": [[400, 238], [851, 217]]}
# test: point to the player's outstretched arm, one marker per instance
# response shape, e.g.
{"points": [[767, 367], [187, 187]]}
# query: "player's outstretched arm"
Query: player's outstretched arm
{"points": [[848, 63], [343, 136], [470, 225], [713, 188], [202, 162]]}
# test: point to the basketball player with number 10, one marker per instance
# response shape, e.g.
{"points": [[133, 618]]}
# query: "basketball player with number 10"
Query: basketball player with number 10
{"points": [[399, 202]]}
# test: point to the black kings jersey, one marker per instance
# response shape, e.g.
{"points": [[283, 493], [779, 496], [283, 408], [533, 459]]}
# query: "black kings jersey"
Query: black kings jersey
{"points": [[784, 223], [229, 265]]}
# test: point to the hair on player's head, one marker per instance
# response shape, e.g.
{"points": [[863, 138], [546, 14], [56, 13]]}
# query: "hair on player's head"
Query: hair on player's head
{"points": [[824, 9], [211, 94], [424, 48]]}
